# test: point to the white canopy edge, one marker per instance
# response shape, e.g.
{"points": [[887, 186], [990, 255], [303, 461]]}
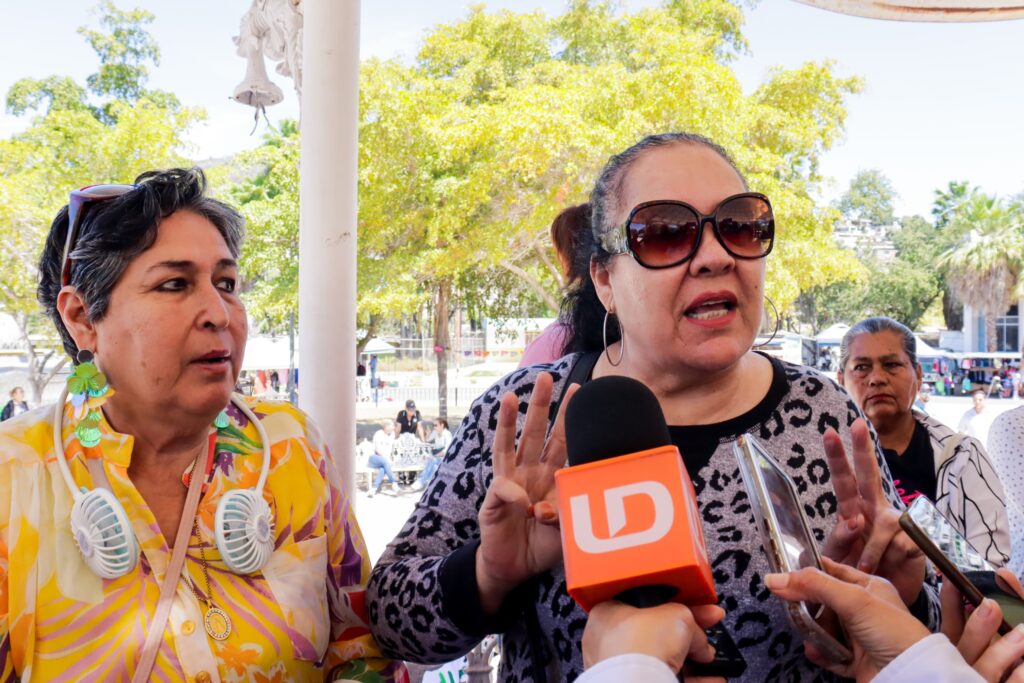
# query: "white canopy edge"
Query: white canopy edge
{"points": [[926, 10]]}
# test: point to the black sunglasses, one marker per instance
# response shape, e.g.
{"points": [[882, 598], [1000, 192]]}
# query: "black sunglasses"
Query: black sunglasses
{"points": [[665, 233]]}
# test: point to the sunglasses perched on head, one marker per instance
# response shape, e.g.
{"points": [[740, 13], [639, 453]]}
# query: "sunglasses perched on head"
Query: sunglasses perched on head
{"points": [[665, 233], [78, 200]]}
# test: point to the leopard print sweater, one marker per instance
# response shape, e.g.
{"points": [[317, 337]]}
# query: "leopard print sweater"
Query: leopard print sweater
{"points": [[423, 601]]}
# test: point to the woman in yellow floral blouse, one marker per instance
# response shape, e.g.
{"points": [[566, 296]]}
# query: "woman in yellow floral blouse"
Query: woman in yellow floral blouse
{"points": [[143, 291]]}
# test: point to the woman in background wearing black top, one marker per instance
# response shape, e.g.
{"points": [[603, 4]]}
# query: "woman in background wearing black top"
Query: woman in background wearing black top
{"points": [[409, 421], [878, 366]]}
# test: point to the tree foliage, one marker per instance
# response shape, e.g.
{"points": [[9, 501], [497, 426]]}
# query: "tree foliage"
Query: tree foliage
{"points": [[502, 119], [869, 198], [84, 136], [985, 265]]}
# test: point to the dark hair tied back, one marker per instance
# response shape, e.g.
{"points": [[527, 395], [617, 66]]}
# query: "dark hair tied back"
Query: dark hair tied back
{"points": [[582, 310]]}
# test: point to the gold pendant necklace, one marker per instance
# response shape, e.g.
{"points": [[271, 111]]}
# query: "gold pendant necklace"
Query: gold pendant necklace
{"points": [[216, 621]]}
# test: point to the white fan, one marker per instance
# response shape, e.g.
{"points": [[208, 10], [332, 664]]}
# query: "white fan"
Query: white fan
{"points": [[103, 534], [244, 524], [244, 529]]}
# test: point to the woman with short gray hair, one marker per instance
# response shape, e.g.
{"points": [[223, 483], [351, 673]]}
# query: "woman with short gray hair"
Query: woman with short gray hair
{"points": [[878, 366], [156, 525]]}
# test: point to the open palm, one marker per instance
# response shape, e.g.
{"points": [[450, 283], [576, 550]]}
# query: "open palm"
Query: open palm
{"points": [[519, 533]]}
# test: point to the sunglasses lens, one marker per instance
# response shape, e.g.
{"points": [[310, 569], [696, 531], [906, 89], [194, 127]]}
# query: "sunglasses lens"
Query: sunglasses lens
{"points": [[662, 234], [747, 226]]}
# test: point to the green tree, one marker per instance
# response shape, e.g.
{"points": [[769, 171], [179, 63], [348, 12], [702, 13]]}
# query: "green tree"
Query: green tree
{"points": [[502, 119], [985, 265], [78, 140], [869, 198]]}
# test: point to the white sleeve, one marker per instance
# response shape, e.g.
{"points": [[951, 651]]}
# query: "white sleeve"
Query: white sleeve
{"points": [[632, 667], [930, 660], [1006, 451]]}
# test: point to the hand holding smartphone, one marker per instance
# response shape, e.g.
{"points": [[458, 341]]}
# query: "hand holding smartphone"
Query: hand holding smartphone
{"points": [[958, 562], [787, 540]]}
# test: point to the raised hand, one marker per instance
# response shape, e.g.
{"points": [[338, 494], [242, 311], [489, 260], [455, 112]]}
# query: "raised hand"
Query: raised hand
{"points": [[519, 532], [867, 534]]}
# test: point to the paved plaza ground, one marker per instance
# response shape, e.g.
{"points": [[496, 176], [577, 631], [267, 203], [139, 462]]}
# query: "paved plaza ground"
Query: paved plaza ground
{"points": [[382, 516]]}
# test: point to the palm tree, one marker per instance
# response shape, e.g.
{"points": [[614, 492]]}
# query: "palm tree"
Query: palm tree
{"points": [[947, 202], [985, 268]]}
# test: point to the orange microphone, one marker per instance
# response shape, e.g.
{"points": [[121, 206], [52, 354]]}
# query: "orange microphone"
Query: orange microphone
{"points": [[630, 526]]}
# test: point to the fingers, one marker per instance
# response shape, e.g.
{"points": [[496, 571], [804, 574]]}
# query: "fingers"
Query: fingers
{"points": [[504, 499], [841, 543], [817, 586], [1001, 656], [816, 656], [707, 616], [952, 604], [1010, 579], [503, 453], [555, 453], [546, 513], [845, 572], [883, 533], [844, 482], [865, 463], [979, 631], [531, 441]]}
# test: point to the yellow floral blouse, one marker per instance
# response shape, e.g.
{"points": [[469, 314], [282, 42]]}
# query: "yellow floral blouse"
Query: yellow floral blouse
{"points": [[302, 618]]}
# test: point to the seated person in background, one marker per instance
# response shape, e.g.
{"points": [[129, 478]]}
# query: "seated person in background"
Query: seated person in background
{"points": [[623, 643], [383, 442], [16, 406], [440, 439], [878, 366], [409, 421]]}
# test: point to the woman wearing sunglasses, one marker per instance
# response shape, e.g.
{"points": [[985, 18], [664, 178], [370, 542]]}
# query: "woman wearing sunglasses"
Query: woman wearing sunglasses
{"points": [[676, 254], [154, 524]]}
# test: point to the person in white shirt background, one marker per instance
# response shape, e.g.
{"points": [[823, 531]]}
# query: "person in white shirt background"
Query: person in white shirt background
{"points": [[440, 439], [1006, 451], [888, 644], [975, 422], [383, 442]]}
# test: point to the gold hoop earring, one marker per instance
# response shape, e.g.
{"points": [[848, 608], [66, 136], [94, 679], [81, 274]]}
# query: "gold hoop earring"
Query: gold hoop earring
{"points": [[778, 324], [604, 338]]}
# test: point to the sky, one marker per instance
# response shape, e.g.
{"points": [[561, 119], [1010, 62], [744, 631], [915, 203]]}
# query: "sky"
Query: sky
{"points": [[942, 102]]}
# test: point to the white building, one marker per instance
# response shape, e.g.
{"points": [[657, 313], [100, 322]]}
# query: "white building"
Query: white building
{"points": [[1008, 330], [864, 238]]}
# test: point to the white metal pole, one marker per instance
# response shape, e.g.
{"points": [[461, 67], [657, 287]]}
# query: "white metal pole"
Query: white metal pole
{"points": [[327, 234]]}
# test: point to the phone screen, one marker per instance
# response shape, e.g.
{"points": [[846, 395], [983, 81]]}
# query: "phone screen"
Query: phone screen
{"points": [[788, 541], [948, 539], [795, 540]]}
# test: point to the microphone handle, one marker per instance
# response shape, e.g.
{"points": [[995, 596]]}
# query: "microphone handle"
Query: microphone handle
{"points": [[647, 596]]}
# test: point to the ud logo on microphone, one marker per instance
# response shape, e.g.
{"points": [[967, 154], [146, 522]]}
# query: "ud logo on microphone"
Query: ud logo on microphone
{"points": [[615, 508]]}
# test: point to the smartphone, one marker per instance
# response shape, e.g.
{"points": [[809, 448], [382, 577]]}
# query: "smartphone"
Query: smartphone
{"points": [[728, 661], [787, 540], [923, 513], [958, 562]]}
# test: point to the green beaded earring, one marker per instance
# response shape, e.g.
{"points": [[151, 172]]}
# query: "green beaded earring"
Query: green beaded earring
{"points": [[89, 389]]}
